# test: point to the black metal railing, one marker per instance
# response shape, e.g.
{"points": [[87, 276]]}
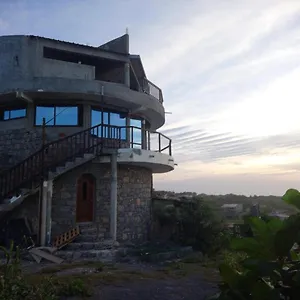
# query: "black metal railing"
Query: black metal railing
{"points": [[91, 140]]}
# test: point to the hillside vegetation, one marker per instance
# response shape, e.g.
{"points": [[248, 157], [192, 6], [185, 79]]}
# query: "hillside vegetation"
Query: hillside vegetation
{"points": [[267, 203]]}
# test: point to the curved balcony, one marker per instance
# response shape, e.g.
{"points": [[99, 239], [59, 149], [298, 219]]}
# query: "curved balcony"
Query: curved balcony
{"points": [[147, 102]]}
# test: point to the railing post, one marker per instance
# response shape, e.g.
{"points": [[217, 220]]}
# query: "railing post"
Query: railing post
{"points": [[170, 148], [149, 138], [159, 142]]}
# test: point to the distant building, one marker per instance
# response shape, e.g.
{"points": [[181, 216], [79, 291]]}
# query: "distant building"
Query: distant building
{"points": [[255, 210], [232, 211], [279, 215]]}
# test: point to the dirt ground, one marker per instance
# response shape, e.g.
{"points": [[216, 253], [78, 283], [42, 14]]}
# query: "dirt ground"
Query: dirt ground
{"points": [[135, 281], [191, 287], [148, 281]]}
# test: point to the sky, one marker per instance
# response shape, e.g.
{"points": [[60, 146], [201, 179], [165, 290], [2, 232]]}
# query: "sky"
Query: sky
{"points": [[229, 71]]}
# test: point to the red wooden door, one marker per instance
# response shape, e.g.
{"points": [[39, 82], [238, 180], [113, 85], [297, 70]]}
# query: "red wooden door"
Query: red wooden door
{"points": [[85, 198]]}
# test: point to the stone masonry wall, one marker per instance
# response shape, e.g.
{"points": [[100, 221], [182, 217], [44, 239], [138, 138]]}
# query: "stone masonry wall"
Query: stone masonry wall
{"points": [[134, 201], [16, 145]]}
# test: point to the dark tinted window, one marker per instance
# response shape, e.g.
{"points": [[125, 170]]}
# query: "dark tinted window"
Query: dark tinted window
{"points": [[14, 114]]}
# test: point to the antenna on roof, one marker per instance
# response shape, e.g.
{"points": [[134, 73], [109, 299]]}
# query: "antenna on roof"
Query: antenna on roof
{"points": [[127, 31]]}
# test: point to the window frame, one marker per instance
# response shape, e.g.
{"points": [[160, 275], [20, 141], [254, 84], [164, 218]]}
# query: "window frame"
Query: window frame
{"points": [[55, 106], [10, 109]]}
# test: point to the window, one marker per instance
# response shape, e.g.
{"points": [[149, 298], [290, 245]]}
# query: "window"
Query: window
{"points": [[136, 133], [14, 114], [109, 118], [57, 115]]}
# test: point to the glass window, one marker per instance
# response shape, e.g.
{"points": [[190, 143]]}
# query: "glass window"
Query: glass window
{"points": [[108, 118], [14, 113], [44, 112], [116, 120], [57, 115], [136, 133], [105, 117], [66, 116], [96, 117]]}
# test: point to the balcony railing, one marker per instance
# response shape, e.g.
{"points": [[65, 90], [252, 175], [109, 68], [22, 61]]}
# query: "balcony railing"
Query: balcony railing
{"points": [[134, 137], [152, 89]]}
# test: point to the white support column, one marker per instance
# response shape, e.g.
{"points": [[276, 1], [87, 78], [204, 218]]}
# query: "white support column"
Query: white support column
{"points": [[45, 231], [113, 197], [43, 214]]}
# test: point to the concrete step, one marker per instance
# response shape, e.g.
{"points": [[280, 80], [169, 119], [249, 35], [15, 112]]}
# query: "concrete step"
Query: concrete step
{"points": [[105, 255], [70, 164], [102, 245], [88, 156], [89, 231], [87, 225], [87, 238]]}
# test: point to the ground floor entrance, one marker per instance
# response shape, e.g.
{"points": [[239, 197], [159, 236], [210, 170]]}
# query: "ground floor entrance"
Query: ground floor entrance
{"points": [[85, 198]]}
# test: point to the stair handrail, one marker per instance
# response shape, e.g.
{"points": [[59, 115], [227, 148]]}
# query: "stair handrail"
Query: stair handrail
{"points": [[35, 165], [38, 164]]}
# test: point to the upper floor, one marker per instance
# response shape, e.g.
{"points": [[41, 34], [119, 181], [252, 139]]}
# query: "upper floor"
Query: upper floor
{"points": [[55, 71]]}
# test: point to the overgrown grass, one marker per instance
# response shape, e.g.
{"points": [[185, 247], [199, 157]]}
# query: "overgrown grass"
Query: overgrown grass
{"points": [[14, 285]]}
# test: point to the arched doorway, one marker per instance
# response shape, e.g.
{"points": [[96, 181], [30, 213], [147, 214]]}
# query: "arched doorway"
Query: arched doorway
{"points": [[86, 187]]}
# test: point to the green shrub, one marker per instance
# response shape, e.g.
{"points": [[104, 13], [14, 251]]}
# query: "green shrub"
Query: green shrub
{"points": [[193, 224], [75, 287], [271, 268], [15, 286]]}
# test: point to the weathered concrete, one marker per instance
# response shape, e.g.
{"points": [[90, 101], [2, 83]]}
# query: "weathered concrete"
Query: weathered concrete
{"points": [[23, 68], [116, 95]]}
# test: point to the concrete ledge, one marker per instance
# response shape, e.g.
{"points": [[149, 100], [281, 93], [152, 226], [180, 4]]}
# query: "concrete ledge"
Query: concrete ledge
{"points": [[156, 161], [116, 94]]}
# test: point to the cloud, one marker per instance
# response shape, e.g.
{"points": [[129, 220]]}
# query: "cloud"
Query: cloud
{"points": [[4, 25], [229, 71]]}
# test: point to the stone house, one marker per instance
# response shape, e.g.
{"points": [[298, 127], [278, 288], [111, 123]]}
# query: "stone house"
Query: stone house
{"points": [[232, 211], [78, 137]]}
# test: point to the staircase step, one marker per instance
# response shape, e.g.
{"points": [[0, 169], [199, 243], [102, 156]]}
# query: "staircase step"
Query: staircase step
{"points": [[87, 238], [25, 191], [106, 255], [104, 245], [79, 160], [69, 164], [89, 155], [89, 231]]}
